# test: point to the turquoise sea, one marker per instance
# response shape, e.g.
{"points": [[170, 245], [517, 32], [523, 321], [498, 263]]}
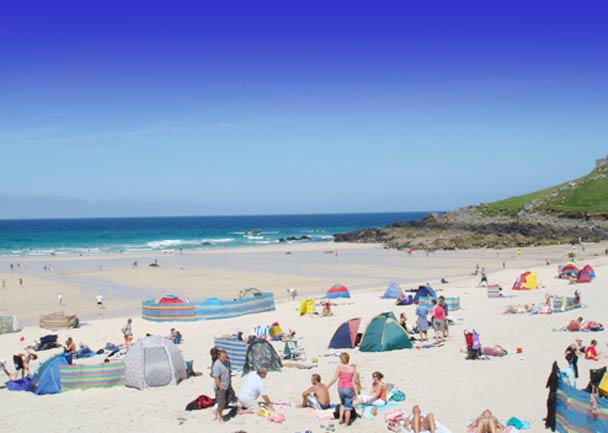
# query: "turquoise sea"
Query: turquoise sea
{"points": [[108, 235]]}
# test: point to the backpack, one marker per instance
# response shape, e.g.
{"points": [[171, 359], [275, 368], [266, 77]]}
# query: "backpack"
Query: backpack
{"points": [[200, 402]]}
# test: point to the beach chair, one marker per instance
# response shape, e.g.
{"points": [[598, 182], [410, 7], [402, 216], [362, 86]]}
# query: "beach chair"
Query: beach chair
{"points": [[293, 352], [473, 345]]}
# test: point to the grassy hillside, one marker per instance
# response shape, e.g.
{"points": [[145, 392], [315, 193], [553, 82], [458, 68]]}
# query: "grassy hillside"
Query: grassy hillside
{"points": [[586, 194]]}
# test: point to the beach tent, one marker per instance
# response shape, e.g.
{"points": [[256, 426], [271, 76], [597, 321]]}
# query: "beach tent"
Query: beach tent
{"points": [[526, 281], [236, 350], [249, 293], [589, 270], [261, 354], [154, 361], [393, 291], [424, 291], [45, 379], [345, 336], [8, 324], [170, 299], [567, 270], [55, 321], [82, 377], [337, 291], [307, 306], [584, 277], [384, 333]]}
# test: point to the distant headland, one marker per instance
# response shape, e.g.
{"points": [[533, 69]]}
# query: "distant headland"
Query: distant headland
{"points": [[573, 211]]}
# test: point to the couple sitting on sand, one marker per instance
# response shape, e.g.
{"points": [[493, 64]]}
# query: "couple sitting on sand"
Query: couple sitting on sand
{"points": [[577, 325], [317, 396]]}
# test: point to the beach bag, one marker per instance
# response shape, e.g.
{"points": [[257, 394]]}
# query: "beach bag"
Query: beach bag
{"points": [[200, 402], [353, 413], [515, 422], [263, 411], [397, 395]]}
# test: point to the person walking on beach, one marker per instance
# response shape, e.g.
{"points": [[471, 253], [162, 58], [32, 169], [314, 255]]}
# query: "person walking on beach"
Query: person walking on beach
{"points": [[484, 277], [99, 299], [60, 299], [20, 282], [127, 332]]}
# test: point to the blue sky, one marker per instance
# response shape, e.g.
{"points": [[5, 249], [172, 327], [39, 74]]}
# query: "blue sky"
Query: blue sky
{"points": [[295, 107]]}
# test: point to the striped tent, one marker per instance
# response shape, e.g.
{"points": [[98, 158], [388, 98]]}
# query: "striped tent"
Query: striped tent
{"points": [[453, 303], [236, 350], [564, 303], [59, 320], [8, 324], [337, 291], [209, 309], [574, 411], [92, 376]]}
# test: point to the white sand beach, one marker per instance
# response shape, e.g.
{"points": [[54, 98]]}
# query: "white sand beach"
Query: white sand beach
{"points": [[439, 378]]}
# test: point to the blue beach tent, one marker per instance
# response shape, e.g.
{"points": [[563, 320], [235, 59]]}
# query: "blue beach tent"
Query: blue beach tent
{"points": [[46, 377], [393, 291], [425, 292]]}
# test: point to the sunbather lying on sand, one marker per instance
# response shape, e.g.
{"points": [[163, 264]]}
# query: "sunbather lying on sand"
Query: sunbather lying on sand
{"points": [[496, 350], [486, 423], [418, 422], [518, 309]]}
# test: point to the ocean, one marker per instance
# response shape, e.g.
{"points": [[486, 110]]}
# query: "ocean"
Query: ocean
{"points": [[43, 237]]}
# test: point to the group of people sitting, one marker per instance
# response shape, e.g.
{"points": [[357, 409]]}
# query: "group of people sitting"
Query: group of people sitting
{"points": [[578, 324]]}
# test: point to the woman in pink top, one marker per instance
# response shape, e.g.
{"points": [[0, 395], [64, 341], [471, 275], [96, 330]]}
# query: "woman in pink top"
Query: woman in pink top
{"points": [[348, 383], [438, 320]]}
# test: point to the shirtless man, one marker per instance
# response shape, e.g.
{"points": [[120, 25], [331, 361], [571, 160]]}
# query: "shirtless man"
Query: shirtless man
{"points": [[317, 396]]}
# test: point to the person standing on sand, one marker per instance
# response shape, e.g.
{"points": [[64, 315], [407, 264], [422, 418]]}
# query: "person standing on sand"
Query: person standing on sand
{"points": [[348, 386], [60, 299], [222, 384], [438, 320], [20, 282], [422, 322], [127, 332], [484, 277]]}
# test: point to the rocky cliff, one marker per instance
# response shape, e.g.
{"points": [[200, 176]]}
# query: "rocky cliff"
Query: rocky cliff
{"points": [[568, 212]]}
